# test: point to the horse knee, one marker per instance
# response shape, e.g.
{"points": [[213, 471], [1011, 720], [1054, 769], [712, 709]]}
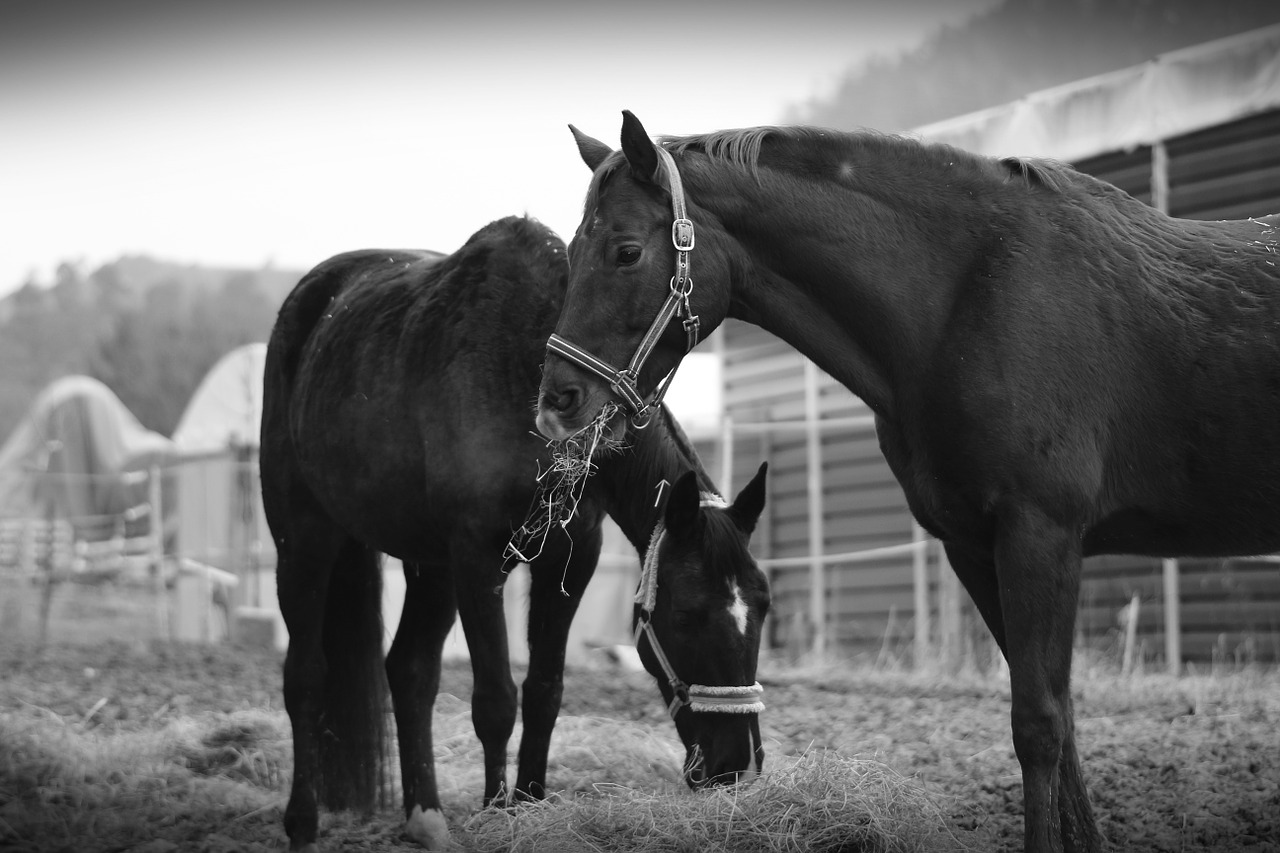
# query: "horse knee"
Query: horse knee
{"points": [[407, 670], [493, 713], [1040, 728], [303, 682]]}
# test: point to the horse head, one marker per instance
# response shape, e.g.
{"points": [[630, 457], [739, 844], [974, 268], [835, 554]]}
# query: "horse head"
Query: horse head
{"points": [[631, 311], [698, 619]]}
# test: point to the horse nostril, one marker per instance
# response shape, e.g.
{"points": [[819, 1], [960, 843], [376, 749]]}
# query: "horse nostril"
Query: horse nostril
{"points": [[562, 401]]}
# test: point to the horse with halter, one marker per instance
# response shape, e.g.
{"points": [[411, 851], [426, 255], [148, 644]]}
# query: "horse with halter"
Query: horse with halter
{"points": [[1056, 369], [398, 418]]}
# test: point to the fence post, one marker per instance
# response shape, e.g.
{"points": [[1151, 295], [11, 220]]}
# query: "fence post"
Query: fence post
{"points": [[726, 456], [948, 613], [920, 589], [1172, 618], [813, 465], [155, 528]]}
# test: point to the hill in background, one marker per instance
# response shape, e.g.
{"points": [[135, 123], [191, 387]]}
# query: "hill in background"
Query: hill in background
{"points": [[1020, 47]]}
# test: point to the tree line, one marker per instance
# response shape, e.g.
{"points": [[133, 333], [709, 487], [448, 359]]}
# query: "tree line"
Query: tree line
{"points": [[148, 330]]}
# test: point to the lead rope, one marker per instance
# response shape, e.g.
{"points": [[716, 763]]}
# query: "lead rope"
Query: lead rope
{"points": [[725, 699]]}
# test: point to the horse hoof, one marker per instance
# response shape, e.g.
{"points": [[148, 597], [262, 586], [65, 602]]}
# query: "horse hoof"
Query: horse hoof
{"points": [[428, 828]]}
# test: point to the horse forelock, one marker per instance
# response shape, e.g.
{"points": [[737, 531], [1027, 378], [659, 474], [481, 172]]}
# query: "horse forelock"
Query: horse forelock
{"points": [[726, 556]]}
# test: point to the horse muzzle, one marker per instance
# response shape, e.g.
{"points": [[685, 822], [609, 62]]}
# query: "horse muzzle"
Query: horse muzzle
{"points": [[724, 758]]}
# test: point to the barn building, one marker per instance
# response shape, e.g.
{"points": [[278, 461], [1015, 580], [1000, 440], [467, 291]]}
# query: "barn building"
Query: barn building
{"points": [[1194, 132]]}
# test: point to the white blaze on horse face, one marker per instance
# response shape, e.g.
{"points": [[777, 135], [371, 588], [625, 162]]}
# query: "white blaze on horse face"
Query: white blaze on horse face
{"points": [[738, 608]]}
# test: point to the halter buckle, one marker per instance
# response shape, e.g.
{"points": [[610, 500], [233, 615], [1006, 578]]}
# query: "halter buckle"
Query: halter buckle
{"points": [[682, 234]]}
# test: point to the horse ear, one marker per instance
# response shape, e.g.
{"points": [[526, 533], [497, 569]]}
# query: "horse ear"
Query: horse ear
{"points": [[593, 151], [749, 503], [683, 506], [638, 148]]}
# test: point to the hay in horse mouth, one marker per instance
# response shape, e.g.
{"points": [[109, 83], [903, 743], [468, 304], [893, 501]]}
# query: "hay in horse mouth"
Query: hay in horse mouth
{"points": [[560, 487]]}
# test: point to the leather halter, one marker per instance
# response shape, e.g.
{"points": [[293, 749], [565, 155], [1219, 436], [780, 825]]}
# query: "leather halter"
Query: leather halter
{"points": [[676, 304], [732, 699]]}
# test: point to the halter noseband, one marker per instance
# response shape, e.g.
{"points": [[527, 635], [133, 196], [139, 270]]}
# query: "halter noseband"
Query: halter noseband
{"points": [[676, 304], [730, 699]]}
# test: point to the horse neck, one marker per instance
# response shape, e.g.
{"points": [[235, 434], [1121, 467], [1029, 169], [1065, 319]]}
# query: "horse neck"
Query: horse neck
{"points": [[631, 480], [847, 274]]}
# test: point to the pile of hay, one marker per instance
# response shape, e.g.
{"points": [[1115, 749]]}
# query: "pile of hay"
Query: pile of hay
{"points": [[586, 752], [820, 803]]}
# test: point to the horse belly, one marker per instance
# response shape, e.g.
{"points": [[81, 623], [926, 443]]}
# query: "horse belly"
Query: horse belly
{"points": [[406, 487], [1230, 514]]}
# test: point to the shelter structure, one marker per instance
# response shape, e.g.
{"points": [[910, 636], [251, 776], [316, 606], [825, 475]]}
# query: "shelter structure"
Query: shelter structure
{"points": [[80, 500], [1194, 132]]}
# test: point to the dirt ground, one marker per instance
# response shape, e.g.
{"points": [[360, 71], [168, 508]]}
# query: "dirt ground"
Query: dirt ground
{"points": [[1186, 765]]}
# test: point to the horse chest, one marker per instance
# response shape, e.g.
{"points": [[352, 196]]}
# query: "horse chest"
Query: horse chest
{"points": [[942, 507]]}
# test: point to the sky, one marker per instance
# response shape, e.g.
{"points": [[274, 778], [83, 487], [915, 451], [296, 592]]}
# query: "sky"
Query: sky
{"points": [[280, 133], [252, 134]]}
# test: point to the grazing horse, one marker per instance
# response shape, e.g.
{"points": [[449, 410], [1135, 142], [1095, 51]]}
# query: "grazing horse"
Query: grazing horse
{"points": [[398, 418], [1056, 369]]}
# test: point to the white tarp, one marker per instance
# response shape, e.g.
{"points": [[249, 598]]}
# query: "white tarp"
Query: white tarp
{"points": [[226, 408], [76, 447], [1176, 93]]}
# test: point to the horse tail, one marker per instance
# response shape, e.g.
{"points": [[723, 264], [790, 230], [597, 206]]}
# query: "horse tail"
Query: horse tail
{"points": [[353, 719]]}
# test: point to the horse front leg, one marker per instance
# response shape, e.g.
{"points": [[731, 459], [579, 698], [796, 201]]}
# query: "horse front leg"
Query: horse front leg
{"points": [[558, 581], [413, 672], [479, 582], [1038, 565]]}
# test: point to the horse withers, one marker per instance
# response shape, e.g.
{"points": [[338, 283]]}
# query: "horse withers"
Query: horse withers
{"points": [[1056, 368], [397, 418]]}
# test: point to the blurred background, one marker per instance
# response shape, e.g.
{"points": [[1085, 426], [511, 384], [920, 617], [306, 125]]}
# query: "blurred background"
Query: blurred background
{"points": [[171, 169]]}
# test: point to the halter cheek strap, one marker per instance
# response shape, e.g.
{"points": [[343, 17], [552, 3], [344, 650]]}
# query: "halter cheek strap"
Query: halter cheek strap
{"points": [[624, 381], [723, 699]]}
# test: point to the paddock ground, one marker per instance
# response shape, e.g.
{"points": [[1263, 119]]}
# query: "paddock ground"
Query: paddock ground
{"points": [[1173, 765]]}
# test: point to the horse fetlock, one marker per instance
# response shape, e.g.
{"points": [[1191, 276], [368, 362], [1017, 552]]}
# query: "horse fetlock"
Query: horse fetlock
{"points": [[428, 828]]}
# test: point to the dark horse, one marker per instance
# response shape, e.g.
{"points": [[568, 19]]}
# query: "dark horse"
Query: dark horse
{"points": [[398, 418], [1056, 369]]}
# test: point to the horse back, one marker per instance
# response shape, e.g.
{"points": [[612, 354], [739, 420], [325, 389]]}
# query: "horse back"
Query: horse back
{"points": [[402, 381]]}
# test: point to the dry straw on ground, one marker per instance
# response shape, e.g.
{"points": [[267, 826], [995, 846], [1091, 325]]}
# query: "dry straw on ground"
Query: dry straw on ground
{"points": [[821, 802]]}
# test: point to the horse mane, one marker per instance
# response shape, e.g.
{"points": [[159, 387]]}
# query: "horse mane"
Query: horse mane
{"points": [[683, 446], [742, 149], [725, 563]]}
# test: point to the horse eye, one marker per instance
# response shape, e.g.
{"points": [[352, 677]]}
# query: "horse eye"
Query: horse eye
{"points": [[687, 619], [628, 255]]}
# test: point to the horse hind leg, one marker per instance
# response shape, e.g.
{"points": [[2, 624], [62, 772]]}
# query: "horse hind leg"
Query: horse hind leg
{"points": [[1038, 564], [305, 563], [413, 670]]}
